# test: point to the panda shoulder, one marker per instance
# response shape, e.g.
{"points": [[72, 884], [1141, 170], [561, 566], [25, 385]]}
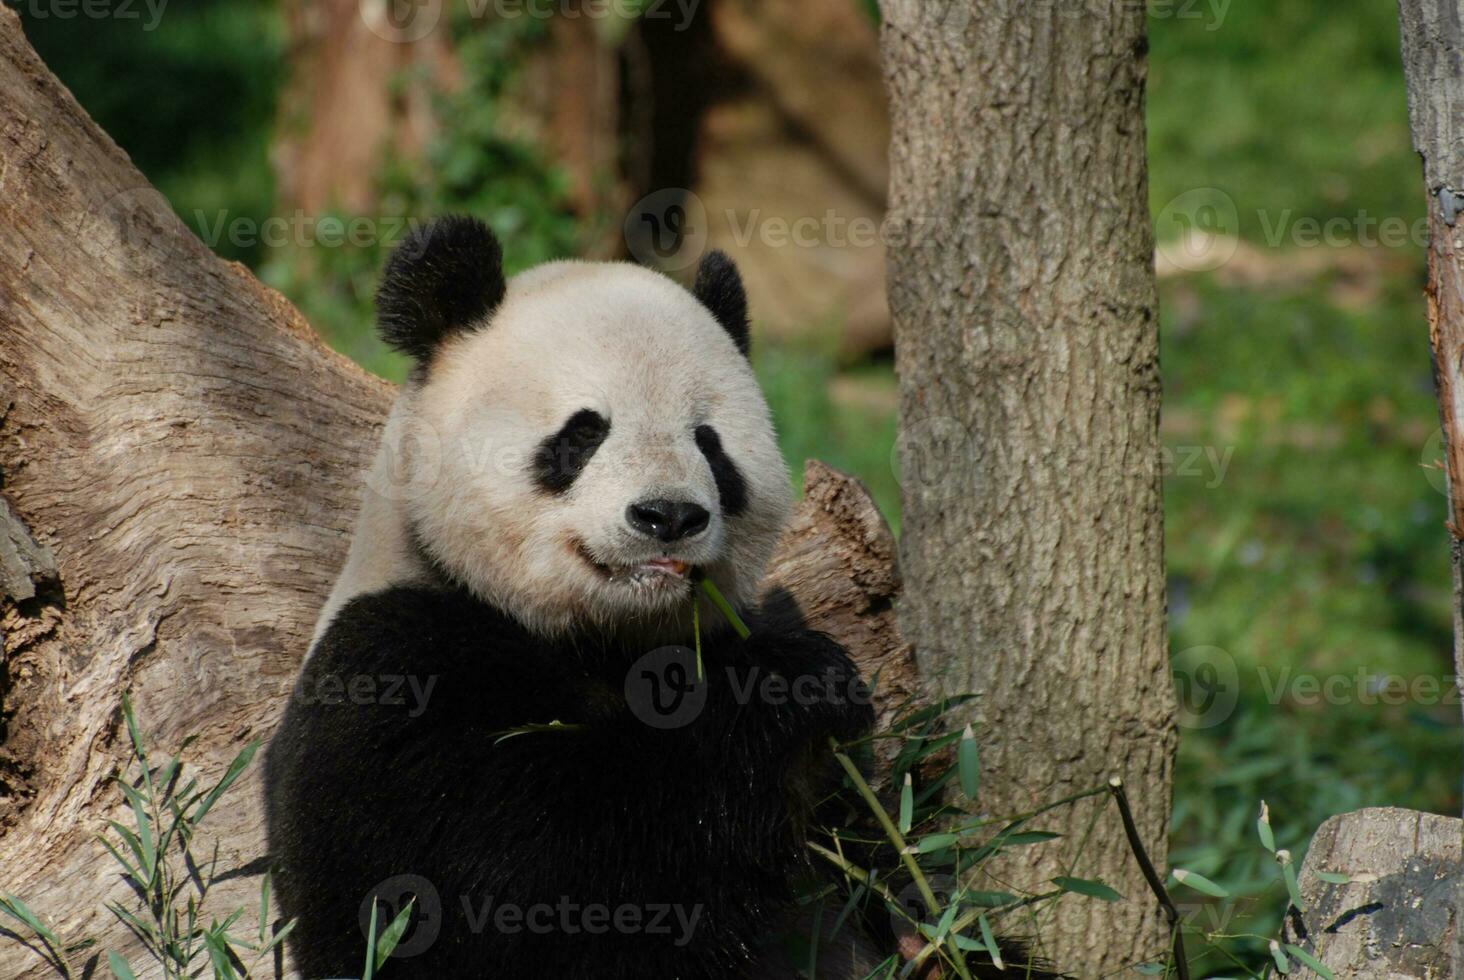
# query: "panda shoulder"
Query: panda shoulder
{"points": [[409, 626]]}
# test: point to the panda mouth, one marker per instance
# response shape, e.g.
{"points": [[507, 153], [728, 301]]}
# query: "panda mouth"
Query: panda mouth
{"points": [[652, 572]]}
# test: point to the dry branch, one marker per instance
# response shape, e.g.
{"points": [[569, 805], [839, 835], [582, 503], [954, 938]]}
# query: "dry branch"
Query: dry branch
{"points": [[1432, 37]]}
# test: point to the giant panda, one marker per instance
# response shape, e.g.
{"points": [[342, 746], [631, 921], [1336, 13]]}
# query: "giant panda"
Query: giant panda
{"points": [[574, 449]]}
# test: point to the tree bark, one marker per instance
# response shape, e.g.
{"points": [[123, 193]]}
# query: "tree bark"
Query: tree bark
{"points": [[1433, 44], [1026, 339], [182, 459]]}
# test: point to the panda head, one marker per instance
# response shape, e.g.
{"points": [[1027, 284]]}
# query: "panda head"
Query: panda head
{"points": [[585, 439]]}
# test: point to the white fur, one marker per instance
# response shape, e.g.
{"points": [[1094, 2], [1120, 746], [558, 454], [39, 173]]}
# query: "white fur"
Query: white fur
{"points": [[455, 460]]}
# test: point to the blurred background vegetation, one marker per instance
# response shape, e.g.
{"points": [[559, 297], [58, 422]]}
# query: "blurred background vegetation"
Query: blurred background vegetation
{"points": [[1304, 516]]}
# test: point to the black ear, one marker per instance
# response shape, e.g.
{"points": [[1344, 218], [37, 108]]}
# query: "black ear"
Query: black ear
{"points": [[719, 287], [443, 277]]}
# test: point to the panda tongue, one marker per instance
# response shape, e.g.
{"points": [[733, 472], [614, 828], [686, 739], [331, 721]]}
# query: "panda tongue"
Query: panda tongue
{"points": [[669, 566]]}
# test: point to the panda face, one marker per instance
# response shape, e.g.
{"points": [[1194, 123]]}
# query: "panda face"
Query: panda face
{"points": [[588, 448]]}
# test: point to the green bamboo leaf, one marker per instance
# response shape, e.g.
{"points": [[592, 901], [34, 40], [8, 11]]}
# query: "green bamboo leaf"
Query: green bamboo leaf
{"points": [[987, 899], [264, 908], [218, 955], [1283, 965], [119, 966], [701, 673], [370, 972], [1263, 828], [907, 805], [1026, 837], [1199, 883], [278, 937], [1332, 878], [1288, 871], [134, 872], [147, 849], [169, 770], [725, 608], [969, 762], [944, 925], [935, 842], [232, 773], [17, 909], [393, 933], [992, 949], [1316, 965], [145, 931], [1088, 887], [132, 730]]}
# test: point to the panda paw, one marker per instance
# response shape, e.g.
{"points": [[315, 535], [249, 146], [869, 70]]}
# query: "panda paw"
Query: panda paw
{"points": [[822, 683]]}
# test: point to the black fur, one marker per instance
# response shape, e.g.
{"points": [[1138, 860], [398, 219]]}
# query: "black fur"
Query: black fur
{"points": [[614, 812], [731, 487], [444, 277], [719, 287], [561, 457]]}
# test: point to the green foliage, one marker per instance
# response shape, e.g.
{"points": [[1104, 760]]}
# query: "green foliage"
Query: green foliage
{"points": [[857, 436], [172, 883], [1319, 560], [190, 96], [472, 166], [1285, 106]]}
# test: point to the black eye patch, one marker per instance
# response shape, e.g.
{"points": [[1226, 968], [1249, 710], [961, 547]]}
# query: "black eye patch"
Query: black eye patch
{"points": [[561, 457], [731, 487]]}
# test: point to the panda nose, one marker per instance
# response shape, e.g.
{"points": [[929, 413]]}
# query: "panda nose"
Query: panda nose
{"points": [[667, 520]]}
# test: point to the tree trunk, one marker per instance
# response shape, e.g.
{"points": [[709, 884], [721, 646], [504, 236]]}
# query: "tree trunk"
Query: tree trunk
{"points": [[182, 459], [360, 83], [1433, 44], [1026, 339]]}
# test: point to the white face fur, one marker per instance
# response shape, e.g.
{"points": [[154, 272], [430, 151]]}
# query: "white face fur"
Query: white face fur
{"points": [[647, 357]]}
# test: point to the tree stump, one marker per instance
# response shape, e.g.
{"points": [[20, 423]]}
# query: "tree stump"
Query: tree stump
{"points": [[1402, 916]]}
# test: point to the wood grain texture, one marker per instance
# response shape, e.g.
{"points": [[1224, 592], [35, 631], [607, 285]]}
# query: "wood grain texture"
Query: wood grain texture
{"points": [[1026, 341], [1433, 61], [182, 460], [1405, 917]]}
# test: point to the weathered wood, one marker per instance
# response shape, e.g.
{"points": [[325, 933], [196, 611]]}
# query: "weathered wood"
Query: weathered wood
{"points": [[1432, 39], [1403, 914], [191, 455], [1027, 340], [838, 558]]}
